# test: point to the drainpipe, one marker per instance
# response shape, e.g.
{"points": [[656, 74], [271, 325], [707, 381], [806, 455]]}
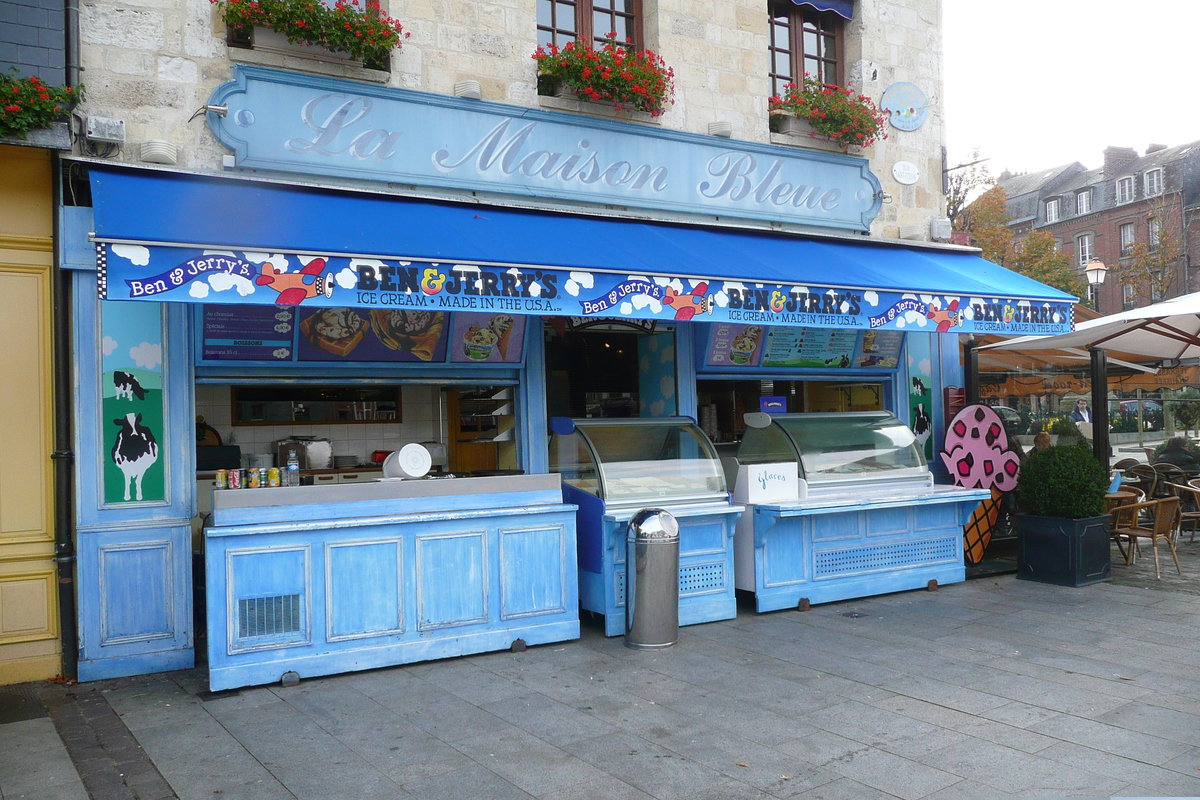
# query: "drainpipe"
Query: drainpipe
{"points": [[63, 457]]}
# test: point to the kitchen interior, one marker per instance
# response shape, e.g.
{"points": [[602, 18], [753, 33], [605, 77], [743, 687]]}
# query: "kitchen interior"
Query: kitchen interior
{"points": [[342, 433]]}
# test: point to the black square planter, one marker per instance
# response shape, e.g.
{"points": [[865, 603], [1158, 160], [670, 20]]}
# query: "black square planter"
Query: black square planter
{"points": [[1065, 552]]}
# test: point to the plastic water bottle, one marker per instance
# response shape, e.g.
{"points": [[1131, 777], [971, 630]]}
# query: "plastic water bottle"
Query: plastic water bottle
{"points": [[293, 469]]}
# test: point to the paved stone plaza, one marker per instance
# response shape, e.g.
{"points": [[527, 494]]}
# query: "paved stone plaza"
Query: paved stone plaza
{"points": [[995, 687]]}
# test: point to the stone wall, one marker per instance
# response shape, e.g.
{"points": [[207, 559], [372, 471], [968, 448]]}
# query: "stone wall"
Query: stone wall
{"points": [[154, 62]]}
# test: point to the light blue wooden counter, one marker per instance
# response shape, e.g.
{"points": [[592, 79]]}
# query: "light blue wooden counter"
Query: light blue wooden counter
{"points": [[706, 590], [325, 579], [839, 547]]}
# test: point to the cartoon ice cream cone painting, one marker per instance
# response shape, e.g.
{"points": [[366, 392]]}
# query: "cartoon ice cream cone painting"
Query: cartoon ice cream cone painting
{"points": [[978, 455], [502, 326]]}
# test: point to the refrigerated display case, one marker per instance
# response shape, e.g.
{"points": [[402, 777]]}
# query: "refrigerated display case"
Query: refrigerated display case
{"points": [[841, 506], [611, 468]]}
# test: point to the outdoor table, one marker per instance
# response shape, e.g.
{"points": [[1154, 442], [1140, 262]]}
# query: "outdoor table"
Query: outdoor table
{"points": [[1119, 498]]}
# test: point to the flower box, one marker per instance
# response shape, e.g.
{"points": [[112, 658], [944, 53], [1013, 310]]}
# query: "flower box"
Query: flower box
{"points": [[273, 41], [630, 80], [834, 113], [792, 125]]}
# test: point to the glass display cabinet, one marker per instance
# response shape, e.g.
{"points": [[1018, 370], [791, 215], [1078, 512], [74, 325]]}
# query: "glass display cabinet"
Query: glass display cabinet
{"points": [[611, 468], [841, 505]]}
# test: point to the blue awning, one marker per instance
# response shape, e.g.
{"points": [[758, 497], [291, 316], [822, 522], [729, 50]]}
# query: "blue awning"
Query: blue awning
{"points": [[208, 213], [843, 8]]}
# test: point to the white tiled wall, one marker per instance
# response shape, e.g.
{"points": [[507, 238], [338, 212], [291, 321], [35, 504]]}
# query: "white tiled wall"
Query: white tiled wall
{"points": [[420, 412]]}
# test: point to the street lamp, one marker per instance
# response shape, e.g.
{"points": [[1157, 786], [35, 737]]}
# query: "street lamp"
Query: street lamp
{"points": [[1095, 272]]}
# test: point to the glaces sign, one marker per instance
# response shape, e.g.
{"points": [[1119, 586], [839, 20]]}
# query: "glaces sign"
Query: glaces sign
{"points": [[299, 123]]}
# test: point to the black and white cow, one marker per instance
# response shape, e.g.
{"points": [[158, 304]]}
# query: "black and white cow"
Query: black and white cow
{"points": [[128, 386], [134, 451], [922, 426], [918, 386]]}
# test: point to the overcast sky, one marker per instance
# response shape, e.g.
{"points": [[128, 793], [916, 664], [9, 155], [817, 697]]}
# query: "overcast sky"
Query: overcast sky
{"points": [[1037, 83]]}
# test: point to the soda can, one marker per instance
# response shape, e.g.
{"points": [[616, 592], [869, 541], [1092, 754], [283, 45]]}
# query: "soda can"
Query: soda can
{"points": [[252, 479], [235, 479], [222, 479], [273, 476], [262, 477]]}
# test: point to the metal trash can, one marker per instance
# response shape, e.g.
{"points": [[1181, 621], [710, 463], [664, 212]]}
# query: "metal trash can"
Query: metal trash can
{"points": [[652, 580]]}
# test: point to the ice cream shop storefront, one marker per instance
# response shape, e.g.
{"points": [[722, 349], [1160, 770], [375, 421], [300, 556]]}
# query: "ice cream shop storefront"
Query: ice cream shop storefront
{"points": [[451, 371]]}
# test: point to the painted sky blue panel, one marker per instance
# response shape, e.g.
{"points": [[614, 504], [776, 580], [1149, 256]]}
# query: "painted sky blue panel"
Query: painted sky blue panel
{"points": [[884, 521], [532, 580], [269, 573], [136, 598], [451, 580], [287, 121], [364, 588]]}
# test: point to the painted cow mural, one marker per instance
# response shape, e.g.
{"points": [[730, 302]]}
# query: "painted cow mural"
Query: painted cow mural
{"points": [[134, 451], [979, 456], [128, 386]]}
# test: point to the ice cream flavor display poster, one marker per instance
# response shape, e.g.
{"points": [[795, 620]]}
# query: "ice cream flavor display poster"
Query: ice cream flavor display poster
{"points": [[810, 347], [361, 334], [735, 345], [487, 338], [389, 294]]}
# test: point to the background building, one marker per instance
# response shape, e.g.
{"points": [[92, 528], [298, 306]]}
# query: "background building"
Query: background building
{"points": [[33, 43], [1135, 213]]}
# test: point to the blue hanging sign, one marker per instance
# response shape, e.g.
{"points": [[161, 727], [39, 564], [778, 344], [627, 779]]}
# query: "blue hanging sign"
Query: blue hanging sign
{"points": [[313, 125], [187, 275]]}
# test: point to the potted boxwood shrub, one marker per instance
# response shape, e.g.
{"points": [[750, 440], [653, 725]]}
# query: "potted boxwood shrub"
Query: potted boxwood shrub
{"points": [[1062, 527]]}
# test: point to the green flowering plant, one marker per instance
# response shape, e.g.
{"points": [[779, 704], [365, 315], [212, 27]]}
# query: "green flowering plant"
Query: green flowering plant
{"points": [[363, 32], [840, 115], [629, 79], [29, 104]]}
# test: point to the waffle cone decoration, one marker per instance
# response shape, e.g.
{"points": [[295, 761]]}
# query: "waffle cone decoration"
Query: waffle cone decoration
{"points": [[977, 533]]}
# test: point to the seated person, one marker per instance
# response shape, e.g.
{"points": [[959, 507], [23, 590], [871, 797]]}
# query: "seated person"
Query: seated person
{"points": [[1175, 452], [1040, 442]]}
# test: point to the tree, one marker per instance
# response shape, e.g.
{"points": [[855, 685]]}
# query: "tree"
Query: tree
{"points": [[987, 221], [1038, 256], [1150, 268], [964, 182], [1035, 255]]}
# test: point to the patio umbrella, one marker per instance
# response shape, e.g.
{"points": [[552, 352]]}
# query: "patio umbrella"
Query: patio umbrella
{"points": [[1166, 330]]}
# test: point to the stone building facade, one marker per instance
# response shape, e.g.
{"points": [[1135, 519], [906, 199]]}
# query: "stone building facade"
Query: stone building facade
{"points": [[152, 63]]}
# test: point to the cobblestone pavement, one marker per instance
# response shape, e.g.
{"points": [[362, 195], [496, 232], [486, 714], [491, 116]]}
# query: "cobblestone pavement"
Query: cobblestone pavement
{"points": [[994, 687]]}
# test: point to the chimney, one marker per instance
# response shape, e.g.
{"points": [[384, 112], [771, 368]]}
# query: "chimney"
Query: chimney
{"points": [[1154, 148], [1116, 159], [1004, 176]]}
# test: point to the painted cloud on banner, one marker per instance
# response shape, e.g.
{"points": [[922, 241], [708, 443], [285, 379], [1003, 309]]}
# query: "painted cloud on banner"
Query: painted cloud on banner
{"points": [[223, 281], [277, 260], [146, 355], [136, 254], [108, 345]]}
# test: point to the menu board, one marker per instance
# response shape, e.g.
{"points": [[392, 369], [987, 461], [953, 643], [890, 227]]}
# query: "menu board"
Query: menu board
{"points": [[377, 334], [732, 345], [820, 348], [248, 333], [880, 349], [486, 338]]}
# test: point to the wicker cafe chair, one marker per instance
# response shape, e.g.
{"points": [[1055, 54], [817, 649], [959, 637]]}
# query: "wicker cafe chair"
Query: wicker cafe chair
{"points": [[1189, 507], [1126, 463], [1163, 524], [1168, 474], [1143, 477]]}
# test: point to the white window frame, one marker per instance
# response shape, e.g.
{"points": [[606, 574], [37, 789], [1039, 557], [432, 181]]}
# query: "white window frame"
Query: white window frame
{"points": [[1153, 232], [1084, 254], [1052, 210], [1152, 182], [1125, 190], [1127, 243], [1083, 202]]}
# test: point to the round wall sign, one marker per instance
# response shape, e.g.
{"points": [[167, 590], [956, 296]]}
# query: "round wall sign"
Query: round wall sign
{"points": [[906, 105], [905, 172]]}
